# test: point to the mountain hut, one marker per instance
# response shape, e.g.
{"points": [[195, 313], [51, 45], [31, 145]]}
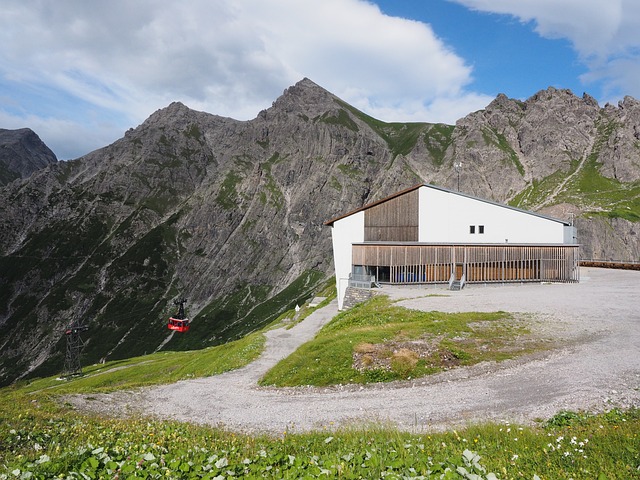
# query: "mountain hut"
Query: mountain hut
{"points": [[428, 234]]}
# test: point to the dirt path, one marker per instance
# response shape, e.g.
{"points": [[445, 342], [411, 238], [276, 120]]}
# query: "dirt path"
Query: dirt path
{"points": [[599, 368]]}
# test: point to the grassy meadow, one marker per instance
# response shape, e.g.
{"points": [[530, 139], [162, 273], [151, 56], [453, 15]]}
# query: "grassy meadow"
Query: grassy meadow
{"points": [[43, 437]]}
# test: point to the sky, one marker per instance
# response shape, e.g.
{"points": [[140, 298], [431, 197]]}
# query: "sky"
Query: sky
{"points": [[82, 72]]}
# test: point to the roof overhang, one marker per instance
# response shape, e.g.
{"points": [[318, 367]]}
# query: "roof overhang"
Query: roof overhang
{"points": [[454, 244], [446, 190]]}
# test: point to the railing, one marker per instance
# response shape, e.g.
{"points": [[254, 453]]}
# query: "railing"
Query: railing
{"points": [[361, 281], [452, 279], [463, 279], [623, 265]]}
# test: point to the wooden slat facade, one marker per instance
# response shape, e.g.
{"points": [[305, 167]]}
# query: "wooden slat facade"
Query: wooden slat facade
{"points": [[395, 220], [479, 263]]}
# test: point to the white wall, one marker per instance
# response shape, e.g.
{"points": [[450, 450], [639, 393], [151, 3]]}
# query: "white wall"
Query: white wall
{"points": [[445, 217], [344, 232]]}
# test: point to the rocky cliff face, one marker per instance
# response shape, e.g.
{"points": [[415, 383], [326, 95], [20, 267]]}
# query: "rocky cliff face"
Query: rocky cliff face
{"points": [[230, 214], [22, 153]]}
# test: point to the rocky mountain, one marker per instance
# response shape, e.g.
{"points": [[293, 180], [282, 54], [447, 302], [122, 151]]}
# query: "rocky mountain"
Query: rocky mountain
{"points": [[230, 213], [22, 153]]}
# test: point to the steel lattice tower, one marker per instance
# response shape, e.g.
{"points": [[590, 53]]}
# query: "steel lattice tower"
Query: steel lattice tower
{"points": [[74, 347]]}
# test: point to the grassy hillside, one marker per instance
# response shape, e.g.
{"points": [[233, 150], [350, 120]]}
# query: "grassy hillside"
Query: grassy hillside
{"points": [[585, 186], [157, 368], [41, 437]]}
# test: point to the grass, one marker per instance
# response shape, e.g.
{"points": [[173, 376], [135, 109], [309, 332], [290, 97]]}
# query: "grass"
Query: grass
{"points": [[539, 190], [243, 344], [599, 194], [227, 195], [497, 139], [349, 171], [342, 118], [378, 341], [193, 131], [156, 368], [335, 184], [403, 137], [171, 366], [275, 194], [400, 137], [587, 188], [247, 309], [39, 438], [326, 291], [437, 140]]}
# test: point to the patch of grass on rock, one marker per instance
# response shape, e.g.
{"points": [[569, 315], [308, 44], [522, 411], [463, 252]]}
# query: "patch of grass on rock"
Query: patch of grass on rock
{"points": [[379, 341]]}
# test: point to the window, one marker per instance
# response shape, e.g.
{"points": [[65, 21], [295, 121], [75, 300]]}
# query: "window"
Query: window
{"points": [[480, 229], [472, 229]]}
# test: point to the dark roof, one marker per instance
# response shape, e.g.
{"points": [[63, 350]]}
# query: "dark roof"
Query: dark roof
{"points": [[415, 187]]}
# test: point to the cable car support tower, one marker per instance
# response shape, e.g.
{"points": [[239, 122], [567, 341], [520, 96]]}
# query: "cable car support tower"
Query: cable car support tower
{"points": [[72, 365]]}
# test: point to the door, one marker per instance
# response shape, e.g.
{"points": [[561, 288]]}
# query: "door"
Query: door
{"points": [[459, 270]]}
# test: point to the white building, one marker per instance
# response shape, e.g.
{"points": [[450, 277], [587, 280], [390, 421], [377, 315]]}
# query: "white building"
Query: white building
{"points": [[429, 234]]}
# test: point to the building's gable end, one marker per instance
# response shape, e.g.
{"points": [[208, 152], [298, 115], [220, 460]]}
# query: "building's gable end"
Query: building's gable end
{"points": [[451, 217], [395, 220], [491, 202]]}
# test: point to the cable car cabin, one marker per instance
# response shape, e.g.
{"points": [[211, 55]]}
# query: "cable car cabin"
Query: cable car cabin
{"points": [[179, 325], [178, 322]]}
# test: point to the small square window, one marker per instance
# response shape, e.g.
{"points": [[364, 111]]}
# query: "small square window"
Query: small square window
{"points": [[472, 229], [480, 228]]}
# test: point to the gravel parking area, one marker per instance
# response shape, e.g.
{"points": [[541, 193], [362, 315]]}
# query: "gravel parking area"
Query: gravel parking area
{"points": [[596, 367]]}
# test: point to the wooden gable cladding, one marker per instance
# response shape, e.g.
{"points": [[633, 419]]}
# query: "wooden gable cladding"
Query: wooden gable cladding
{"points": [[395, 220]]}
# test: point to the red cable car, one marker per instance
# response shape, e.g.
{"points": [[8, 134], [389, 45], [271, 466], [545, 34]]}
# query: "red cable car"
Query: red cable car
{"points": [[179, 325], [178, 322]]}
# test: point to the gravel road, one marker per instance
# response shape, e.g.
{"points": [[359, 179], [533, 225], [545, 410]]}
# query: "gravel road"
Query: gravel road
{"points": [[597, 367]]}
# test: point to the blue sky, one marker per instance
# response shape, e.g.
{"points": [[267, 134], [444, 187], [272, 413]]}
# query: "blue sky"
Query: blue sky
{"points": [[82, 72], [507, 55]]}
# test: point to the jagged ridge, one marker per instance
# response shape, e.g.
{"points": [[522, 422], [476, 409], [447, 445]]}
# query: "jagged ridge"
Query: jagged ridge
{"points": [[230, 213]]}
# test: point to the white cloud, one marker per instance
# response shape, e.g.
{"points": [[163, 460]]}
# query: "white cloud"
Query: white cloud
{"points": [[225, 57], [441, 110], [604, 33]]}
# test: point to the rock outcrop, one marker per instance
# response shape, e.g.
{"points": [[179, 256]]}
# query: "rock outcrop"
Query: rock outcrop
{"points": [[22, 153]]}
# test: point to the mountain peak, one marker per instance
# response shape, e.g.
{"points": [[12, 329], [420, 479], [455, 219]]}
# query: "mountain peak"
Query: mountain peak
{"points": [[305, 97], [22, 152], [173, 110]]}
